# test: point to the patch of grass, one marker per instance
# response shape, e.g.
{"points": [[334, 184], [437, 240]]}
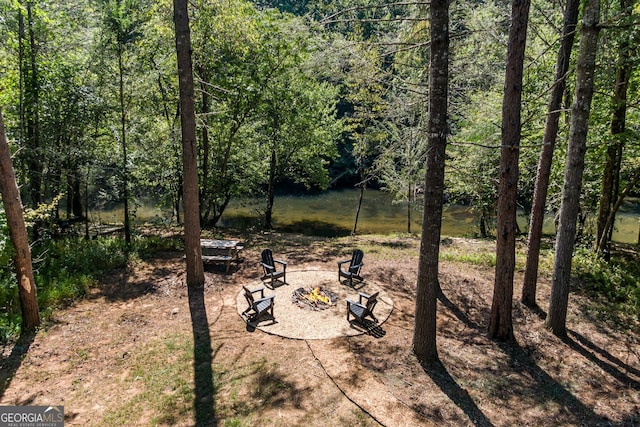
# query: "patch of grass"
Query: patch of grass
{"points": [[233, 405], [245, 391], [389, 247], [476, 258], [163, 385]]}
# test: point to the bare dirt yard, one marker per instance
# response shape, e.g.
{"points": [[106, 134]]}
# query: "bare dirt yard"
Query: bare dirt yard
{"points": [[139, 350]]}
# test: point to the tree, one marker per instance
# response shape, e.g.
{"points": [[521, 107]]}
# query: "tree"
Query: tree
{"points": [[614, 152], [546, 155], [124, 27], [367, 86], [300, 130], [32, 112], [565, 237], [239, 53], [424, 336], [500, 322], [195, 268], [612, 214], [19, 237], [478, 60]]}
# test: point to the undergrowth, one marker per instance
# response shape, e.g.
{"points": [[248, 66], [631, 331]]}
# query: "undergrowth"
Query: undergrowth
{"points": [[613, 286], [65, 269]]}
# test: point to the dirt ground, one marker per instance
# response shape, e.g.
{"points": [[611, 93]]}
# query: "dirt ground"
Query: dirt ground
{"points": [[128, 353]]}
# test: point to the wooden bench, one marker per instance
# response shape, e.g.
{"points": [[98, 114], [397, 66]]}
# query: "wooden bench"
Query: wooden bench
{"points": [[224, 251]]}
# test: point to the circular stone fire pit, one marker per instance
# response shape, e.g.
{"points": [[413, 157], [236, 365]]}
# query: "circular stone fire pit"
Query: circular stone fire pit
{"points": [[294, 322], [314, 298]]}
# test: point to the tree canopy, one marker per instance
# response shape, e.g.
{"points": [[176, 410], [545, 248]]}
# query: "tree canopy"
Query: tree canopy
{"points": [[305, 96]]}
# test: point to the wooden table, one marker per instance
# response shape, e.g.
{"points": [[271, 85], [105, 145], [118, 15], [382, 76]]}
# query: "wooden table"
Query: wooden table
{"points": [[226, 251]]}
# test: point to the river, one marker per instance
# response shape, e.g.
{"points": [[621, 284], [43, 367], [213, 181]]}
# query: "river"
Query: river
{"points": [[333, 213]]}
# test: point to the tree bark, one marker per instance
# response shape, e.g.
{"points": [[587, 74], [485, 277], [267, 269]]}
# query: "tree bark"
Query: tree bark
{"points": [[21, 72], [360, 199], [612, 214], [273, 164], [204, 77], [123, 141], [410, 193], [193, 251], [500, 322], [32, 111], [611, 173], [19, 237], [546, 155], [428, 286], [569, 209]]}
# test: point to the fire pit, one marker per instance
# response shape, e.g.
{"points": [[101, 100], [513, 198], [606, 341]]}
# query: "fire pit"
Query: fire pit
{"points": [[316, 298]]}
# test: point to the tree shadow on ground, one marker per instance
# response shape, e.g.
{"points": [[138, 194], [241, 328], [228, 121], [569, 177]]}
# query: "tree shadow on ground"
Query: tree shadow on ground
{"points": [[607, 362], [446, 382], [461, 314], [548, 388], [119, 287], [441, 377], [269, 389], [9, 365], [543, 389], [315, 228], [202, 359]]}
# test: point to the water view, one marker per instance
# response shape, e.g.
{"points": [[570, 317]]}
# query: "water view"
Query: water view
{"points": [[333, 214]]}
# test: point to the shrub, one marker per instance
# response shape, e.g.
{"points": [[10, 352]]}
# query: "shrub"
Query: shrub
{"points": [[615, 285], [64, 270]]}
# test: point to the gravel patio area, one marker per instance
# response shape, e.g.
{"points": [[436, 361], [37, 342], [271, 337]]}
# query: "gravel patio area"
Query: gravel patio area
{"points": [[293, 321]]}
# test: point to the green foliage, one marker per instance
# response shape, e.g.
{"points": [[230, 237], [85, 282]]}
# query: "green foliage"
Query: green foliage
{"points": [[64, 270], [613, 286], [256, 75]]}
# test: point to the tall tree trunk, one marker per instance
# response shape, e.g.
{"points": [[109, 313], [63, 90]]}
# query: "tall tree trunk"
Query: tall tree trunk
{"points": [[19, 237], [174, 184], [612, 214], [500, 322], [193, 251], [546, 155], [569, 209], [21, 71], [76, 206], [611, 173], [428, 286], [32, 108], [123, 141], [363, 186], [202, 352], [606, 192], [204, 87], [268, 214], [410, 193]]}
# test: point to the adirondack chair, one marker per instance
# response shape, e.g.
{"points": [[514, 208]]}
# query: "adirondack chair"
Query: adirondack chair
{"points": [[257, 307], [363, 308], [270, 269], [353, 270]]}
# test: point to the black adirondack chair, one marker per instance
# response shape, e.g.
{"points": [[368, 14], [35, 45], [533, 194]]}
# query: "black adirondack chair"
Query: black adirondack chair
{"points": [[363, 308], [257, 307], [270, 269], [353, 270]]}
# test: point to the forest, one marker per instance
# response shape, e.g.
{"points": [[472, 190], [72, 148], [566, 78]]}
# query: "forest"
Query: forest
{"points": [[527, 105]]}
